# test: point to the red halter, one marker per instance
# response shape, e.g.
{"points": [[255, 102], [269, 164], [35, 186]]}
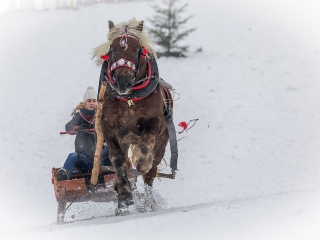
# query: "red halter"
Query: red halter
{"points": [[122, 62]]}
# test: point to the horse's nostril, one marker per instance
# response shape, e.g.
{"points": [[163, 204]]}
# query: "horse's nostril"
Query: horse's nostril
{"points": [[129, 85]]}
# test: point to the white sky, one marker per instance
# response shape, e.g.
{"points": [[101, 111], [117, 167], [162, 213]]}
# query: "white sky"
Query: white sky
{"points": [[4, 6]]}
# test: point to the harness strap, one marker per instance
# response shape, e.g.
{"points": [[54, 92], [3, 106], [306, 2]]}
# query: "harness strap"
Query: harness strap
{"points": [[171, 131], [173, 144]]}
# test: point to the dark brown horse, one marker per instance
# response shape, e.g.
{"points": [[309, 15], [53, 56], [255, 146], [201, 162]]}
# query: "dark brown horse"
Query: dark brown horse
{"points": [[135, 105]]}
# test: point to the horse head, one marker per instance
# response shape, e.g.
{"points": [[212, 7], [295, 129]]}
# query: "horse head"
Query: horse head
{"points": [[128, 59]]}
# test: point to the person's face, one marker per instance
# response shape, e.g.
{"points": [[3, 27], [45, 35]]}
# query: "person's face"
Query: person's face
{"points": [[90, 104]]}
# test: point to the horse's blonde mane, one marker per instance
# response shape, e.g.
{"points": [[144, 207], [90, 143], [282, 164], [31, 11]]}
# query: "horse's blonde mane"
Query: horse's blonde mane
{"points": [[119, 30]]}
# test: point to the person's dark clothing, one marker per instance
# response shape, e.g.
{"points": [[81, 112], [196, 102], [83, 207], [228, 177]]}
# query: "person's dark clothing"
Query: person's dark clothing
{"points": [[84, 142], [83, 156]]}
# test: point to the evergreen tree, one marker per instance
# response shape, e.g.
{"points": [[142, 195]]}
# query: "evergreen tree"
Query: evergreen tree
{"points": [[168, 28]]}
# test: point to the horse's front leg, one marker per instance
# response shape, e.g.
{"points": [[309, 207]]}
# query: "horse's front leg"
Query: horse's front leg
{"points": [[143, 154], [144, 164], [158, 154], [148, 202], [120, 163]]}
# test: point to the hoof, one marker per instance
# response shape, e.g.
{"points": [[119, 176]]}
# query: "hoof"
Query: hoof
{"points": [[123, 207], [122, 211], [125, 203]]}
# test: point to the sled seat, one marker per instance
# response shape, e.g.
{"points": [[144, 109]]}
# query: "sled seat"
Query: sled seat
{"points": [[79, 186]]}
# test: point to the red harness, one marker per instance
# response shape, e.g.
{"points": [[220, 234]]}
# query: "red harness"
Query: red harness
{"points": [[146, 83], [129, 64], [122, 62]]}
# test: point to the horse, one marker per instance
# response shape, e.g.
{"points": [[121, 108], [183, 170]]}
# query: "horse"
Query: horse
{"points": [[136, 106]]}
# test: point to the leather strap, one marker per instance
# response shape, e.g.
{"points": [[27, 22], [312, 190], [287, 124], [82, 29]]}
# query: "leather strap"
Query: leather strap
{"points": [[173, 142]]}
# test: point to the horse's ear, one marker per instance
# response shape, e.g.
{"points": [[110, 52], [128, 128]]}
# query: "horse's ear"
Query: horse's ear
{"points": [[111, 24], [140, 26]]}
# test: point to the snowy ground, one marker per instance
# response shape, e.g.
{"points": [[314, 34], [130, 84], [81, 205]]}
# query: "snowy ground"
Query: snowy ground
{"points": [[250, 167]]}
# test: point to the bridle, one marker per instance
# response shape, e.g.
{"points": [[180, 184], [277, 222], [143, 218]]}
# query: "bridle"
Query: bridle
{"points": [[141, 86], [122, 62]]}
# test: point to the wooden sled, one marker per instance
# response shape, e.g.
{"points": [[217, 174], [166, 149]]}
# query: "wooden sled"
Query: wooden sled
{"points": [[79, 189]]}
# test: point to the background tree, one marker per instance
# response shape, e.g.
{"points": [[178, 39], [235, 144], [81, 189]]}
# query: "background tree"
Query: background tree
{"points": [[168, 28]]}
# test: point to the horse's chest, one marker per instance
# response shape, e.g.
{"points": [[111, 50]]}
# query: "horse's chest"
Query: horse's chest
{"points": [[129, 112], [133, 120], [123, 117]]}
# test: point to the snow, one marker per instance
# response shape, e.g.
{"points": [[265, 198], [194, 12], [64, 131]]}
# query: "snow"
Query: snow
{"points": [[249, 169]]}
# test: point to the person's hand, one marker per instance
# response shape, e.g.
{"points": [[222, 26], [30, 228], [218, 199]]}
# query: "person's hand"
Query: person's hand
{"points": [[76, 129]]}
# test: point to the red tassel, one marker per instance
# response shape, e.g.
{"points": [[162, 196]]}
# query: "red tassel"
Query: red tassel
{"points": [[184, 125], [105, 57], [144, 51]]}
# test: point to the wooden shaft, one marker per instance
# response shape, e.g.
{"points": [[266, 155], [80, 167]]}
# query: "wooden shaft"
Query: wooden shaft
{"points": [[100, 136], [165, 175]]}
